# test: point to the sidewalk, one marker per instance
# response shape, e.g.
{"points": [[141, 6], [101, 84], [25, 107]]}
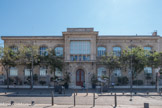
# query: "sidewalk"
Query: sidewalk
{"points": [[70, 106]]}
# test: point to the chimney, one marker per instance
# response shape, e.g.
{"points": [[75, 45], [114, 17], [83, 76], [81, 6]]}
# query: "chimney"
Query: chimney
{"points": [[154, 33]]}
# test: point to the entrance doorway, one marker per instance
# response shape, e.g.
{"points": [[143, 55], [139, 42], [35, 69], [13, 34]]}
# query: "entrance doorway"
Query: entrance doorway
{"points": [[80, 77]]}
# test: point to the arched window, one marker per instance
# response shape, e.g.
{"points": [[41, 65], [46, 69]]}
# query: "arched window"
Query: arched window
{"points": [[117, 51], [43, 51], [101, 71], [13, 71], [117, 72], [14, 48], [59, 51], [101, 51]]}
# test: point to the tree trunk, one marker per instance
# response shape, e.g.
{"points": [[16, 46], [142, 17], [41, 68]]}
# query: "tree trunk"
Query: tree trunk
{"points": [[31, 75], [7, 77], [109, 78]]}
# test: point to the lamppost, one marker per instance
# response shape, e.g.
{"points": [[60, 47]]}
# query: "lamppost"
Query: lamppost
{"points": [[131, 74], [31, 74]]}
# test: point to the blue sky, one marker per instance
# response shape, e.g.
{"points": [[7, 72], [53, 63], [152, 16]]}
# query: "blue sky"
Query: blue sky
{"points": [[52, 17]]}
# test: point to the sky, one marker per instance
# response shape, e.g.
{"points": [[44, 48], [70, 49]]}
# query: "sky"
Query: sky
{"points": [[52, 17]]}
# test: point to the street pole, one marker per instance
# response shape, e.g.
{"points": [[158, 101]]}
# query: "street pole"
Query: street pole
{"points": [[131, 73], [31, 77]]}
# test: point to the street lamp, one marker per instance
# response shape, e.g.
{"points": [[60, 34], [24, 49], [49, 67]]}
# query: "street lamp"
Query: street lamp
{"points": [[131, 73]]}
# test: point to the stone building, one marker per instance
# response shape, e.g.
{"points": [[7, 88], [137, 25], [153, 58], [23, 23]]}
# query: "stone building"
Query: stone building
{"points": [[80, 48]]}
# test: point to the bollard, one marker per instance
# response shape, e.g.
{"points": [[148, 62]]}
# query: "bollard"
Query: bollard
{"points": [[146, 105], [123, 92], [115, 100], [32, 103], [147, 93], [87, 92], [93, 99], [135, 93], [76, 92], [111, 92], [5, 92], [12, 102], [74, 99], [52, 98], [64, 90]]}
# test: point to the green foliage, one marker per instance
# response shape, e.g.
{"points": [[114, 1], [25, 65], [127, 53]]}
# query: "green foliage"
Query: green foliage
{"points": [[52, 61], [148, 76], [94, 79], [135, 59], [152, 82], [67, 78], [123, 80], [42, 82], [138, 82], [110, 61], [35, 77]]}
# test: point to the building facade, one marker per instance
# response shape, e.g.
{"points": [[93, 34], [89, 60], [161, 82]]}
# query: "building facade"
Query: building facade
{"points": [[81, 48]]}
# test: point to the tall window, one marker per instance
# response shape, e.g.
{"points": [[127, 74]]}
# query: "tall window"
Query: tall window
{"points": [[147, 48], [148, 70], [80, 47], [58, 73], [13, 71], [101, 51], [43, 71], [101, 71], [117, 72], [80, 50], [27, 72], [117, 51], [59, 51], [43, 51], [14, 48]]}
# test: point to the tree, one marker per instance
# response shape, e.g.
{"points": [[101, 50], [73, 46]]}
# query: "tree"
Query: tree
{"points": [[134, 59], [29, 57], [52, 61], [8, 59], [111, 62]]}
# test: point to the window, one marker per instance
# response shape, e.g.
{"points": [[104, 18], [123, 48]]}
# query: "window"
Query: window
{"points": [[147, 48], [27, 72], [79, 57], [59, 51], [101, 51], [148, 70], [14, 48], [117, 72], [117, 51], [58, 73], [13, 71], [43, 71], [101, 71], [43, 51], [80, 47], [80, 50]]}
